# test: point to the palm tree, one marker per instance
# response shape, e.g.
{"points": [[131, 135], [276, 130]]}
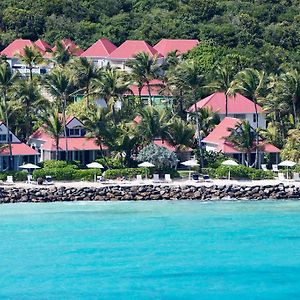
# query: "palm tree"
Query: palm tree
{"points": [[98, 125], [243, 138], [223, 82], [85, 71], [180, 134], [60, 84], [143, 69], [7, 79], [291, 90], [62, 54], [252, 84], [28, 94], [53, 125], [31, 57], [207, 120], [112, 86], [154, 123], [192, 83]]}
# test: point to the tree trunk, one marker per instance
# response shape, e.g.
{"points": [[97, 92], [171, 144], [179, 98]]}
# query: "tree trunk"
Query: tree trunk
{"points": [[28, 121], [226, 104], [140, 96], [10, 160], [294, 114], [57, 147], [198, 135], [256, 136], [65, 127], [149, 92]]}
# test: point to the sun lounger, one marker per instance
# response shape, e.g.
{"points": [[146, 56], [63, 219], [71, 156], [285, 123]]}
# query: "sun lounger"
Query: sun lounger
{"points": [[29, 179], [281, 177], [48, 180], [296, 177], [156, 178], [275, 168], [168, 178], [206, 178], [9, 180], [264, 167], [139, 178]]}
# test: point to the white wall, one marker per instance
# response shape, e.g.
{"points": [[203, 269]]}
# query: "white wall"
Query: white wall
{"points": [[3, 130], [249, 117]]}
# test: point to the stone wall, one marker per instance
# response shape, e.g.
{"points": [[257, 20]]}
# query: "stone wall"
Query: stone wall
{"points": [[148, 192]]}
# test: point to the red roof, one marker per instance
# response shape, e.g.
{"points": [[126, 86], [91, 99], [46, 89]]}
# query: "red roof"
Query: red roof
{"points": [[182, 46], [236, 104], [165, 144], [17, 46], [19, 149], [132, 47], [43, 45], [74, 144], [155, 88], [102, 48], [221, 132], [68, 44]]}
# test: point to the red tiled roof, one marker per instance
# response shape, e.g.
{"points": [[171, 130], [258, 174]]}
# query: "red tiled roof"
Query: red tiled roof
{"points": [[17, 46], [221, 132], [19, 149], [132, 47], [102, 48], [74, 144], [155, 88], [165, 144], [236, 104], [43, 45], [73, 48], [182, 46]]}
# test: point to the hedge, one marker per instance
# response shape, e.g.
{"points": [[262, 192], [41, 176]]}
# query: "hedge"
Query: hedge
{"points": [[67, 173], [240, 172], [126, 172], [17, 175]]}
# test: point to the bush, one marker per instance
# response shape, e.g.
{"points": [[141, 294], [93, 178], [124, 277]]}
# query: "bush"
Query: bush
{"points": [[67, 173], [56, 164], [242, 172], [110, 163], [126, 172], [17, 175]]}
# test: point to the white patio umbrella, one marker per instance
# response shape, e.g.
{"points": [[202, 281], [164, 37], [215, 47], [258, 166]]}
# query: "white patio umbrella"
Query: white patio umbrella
{"points": [[29, 167], [146, 164], [190, 163], [229, 163], [287, 164], [95, 165]]}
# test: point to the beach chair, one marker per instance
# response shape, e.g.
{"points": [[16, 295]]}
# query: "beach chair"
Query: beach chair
{"points": [[48, 180], [296, 176], [264, 167], [139, 178], [156, 178], [168, 178], [275, 168], [206, 178], [29, 179], [281, 176], [9, 180]]}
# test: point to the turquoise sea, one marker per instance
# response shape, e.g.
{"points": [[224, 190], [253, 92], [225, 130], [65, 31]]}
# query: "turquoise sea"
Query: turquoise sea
{"points": [[150, 250]]}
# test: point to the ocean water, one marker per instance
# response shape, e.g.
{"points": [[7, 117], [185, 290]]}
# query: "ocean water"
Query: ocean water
{"points": [[150, 250]]}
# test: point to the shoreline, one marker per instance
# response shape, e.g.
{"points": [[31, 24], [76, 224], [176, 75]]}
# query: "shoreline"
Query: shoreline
{"points": [[84, 191]]}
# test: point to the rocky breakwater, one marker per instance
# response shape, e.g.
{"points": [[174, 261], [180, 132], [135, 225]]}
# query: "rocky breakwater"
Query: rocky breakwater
{"points": [[148, 192]]}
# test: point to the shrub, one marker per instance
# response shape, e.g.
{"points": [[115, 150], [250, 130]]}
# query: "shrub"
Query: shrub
{"points": [[55, 164], [17, 175], [242, 172], [161, 157], [126, 172], [67, 173], [110, 163]]}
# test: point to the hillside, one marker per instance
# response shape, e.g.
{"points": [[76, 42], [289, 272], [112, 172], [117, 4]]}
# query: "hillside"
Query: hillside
{"points": [[262, 32]]}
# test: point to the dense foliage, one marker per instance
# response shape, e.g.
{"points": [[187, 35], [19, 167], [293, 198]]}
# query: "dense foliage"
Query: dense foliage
{"points": [[253, 33]]}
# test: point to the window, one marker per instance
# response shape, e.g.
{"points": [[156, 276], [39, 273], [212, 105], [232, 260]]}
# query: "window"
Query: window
{"points": [[2, 137], [240, 116], [74, 132], [254, 118]]}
